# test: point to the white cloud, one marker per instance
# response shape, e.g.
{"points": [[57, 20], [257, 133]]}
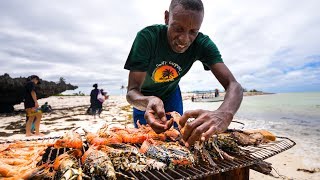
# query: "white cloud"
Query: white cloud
{"points": [[266, 44]]}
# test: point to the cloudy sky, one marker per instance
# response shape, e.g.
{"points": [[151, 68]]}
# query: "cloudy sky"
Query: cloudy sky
{"points": [[269, 45]]}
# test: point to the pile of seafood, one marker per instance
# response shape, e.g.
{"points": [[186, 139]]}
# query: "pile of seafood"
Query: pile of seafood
{"points": [[110, 151]]}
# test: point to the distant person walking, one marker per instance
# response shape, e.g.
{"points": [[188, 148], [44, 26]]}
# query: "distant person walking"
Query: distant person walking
{"points": [[31, 106], [216, 93], [97, 97]]}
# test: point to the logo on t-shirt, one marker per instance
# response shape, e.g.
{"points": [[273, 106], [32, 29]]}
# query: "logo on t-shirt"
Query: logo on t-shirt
{"points": [[166, 72]]}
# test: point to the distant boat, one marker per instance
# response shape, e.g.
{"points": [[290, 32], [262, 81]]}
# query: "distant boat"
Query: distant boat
{"points": [[206, 97], [214, 99]]}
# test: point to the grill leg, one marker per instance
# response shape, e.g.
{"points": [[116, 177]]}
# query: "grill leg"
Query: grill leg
{"points": [[236, 174]]}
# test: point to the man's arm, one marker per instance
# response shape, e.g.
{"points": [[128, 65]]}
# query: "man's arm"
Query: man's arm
{"points": [[134, 95], [207, 123], [234, 91], [34, 97], [151, 104]]}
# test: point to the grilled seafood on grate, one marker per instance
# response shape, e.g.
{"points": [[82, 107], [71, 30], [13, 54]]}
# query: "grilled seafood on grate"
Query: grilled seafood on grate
{"points": [[19, 159], [221, 146], [97, 163], [215, 146], [25, 172], [67, 165], [104, 138], [131, 135], [70, 139], [252, 137], [150, 133], [128, 157], [170, 153]]}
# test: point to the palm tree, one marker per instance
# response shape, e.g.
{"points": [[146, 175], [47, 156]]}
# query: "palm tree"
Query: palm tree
{"points": [[167, 74], [62, 80]]}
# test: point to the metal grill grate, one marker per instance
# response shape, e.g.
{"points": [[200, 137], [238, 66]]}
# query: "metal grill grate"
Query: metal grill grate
{"points": [[257, 154]]}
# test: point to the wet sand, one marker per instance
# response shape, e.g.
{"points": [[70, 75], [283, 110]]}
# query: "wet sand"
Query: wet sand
{"points": [[69, 112]]}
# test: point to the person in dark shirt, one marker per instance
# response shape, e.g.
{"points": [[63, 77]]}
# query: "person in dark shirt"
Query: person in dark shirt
{"points": [[31, 106], [96, 105], [46, 107], [160, 56]]}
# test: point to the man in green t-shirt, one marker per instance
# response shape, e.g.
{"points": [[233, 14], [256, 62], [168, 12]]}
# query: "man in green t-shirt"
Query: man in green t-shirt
{"points": [[160, 56]]}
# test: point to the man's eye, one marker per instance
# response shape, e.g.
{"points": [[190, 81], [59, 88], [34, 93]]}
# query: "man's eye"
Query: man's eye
{"points": [[194, 32], [179, 30]]}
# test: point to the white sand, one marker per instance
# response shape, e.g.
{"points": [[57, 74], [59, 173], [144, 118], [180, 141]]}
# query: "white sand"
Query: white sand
{"points": [[117, 112]]}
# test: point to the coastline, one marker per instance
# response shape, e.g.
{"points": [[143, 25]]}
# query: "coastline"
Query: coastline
{"points": [[188, 95], [69, 112]]}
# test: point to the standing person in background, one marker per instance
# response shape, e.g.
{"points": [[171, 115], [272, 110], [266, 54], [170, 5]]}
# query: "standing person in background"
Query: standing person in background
{"points": [[160, 56], [31, 106], [102, 96], [94, 100]]}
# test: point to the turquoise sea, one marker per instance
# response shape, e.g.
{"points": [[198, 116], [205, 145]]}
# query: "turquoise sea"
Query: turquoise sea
{"points": [[293, 115]]}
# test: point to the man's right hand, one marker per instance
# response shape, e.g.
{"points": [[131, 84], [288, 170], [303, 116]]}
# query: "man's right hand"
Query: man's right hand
{"points": [[156, 116], [36, 105]]}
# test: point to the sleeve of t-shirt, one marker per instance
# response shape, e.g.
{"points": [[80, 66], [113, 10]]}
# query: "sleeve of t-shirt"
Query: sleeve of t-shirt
{"points": [[209, 53], [139, 56]]}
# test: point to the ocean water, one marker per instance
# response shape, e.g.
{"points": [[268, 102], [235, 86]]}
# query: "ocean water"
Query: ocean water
{"points": [[293, 115]]}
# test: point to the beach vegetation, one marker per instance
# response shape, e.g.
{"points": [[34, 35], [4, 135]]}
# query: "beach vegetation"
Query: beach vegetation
{"points": [[62, 80], [74, 94]]}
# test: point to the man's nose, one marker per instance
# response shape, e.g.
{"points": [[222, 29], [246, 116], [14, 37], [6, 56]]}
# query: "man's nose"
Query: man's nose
{"points": [[184, 38]]}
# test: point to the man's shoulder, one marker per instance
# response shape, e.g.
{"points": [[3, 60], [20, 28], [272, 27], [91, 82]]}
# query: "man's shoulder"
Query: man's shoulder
{"points": [[153, 29], [202, 37]]}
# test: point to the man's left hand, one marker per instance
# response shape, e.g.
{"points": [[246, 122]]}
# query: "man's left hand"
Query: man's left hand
{"points": [[205, 124]]}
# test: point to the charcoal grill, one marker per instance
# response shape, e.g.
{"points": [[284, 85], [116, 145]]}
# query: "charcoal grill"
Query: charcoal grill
{"points": [[238, 166]]}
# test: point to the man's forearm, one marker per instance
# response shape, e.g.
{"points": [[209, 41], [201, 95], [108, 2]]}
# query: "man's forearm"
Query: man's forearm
{"points": [[34, 96], [232, 99], [137, 99]]}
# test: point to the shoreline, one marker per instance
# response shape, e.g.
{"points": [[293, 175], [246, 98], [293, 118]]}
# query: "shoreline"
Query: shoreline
{"points": [[188, 95], [69, 112]]}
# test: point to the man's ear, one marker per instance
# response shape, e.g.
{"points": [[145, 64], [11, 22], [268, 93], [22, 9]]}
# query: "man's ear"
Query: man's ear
{"points": [[166, 17]]}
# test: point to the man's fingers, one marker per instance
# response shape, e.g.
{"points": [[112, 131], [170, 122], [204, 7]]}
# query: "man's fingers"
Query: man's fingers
{"points": [[196, 134], [169, 124], [190, 127], [156, 125], [188, 114], [209, 133], [159, 111]]}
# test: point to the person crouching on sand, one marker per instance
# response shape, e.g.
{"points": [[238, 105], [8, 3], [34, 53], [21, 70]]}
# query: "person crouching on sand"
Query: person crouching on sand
{"points": [[31, 105]]}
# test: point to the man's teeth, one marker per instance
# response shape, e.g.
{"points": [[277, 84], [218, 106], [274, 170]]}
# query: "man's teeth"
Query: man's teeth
{"points": [[181, 46]]}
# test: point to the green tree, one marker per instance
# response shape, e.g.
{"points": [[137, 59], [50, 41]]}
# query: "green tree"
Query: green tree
{"points": [[62, 80]]}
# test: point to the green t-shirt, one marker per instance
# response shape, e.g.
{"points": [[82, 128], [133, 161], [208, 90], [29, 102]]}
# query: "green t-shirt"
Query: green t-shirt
{"points": [[152, 53]]}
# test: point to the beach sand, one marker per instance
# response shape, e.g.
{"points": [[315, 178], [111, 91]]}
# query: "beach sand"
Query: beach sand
{"points": [[69, 112]]}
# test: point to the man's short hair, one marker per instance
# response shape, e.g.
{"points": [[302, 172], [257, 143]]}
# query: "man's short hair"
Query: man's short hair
{"points": [[195, 5]]}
